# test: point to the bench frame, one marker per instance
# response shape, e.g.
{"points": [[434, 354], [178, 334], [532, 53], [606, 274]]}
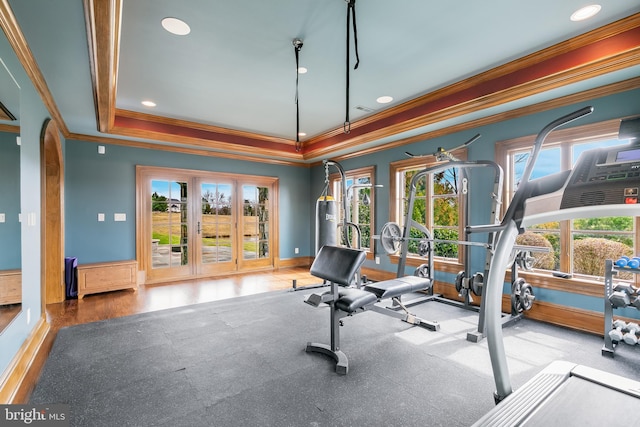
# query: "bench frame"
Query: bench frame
{"points": [[339, 267]]}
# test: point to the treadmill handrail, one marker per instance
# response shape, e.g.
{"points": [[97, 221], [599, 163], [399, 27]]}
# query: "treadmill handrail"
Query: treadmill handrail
{"points": [[508, 230]]}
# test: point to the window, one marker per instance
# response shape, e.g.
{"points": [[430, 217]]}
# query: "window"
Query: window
{"points": [[578, 246], [360, 200], [437, 206]]}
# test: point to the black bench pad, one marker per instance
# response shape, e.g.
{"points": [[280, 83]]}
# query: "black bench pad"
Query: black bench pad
{"points": [[351, 299], [395, 287], [337, 264]]}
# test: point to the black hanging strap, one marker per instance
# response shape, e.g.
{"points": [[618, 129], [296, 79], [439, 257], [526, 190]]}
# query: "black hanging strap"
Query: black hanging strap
{"points": [[297, 45], [351, 11]]}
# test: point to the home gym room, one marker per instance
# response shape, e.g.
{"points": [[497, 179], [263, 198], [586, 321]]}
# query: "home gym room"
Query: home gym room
{"points": [[329, 213]]}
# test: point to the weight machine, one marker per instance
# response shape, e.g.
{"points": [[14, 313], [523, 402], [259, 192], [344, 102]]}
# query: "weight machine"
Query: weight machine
{"points": [[393, 238]]}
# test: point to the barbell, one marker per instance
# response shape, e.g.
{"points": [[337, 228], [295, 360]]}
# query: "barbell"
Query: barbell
{"points": [[391, 237]]}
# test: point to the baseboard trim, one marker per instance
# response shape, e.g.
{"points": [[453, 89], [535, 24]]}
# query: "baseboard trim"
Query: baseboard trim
{"points": [[303, 261], [19, 379]]}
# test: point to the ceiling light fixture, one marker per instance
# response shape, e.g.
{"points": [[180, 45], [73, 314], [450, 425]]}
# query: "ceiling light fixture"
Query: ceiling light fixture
{"points": [[384, 99], [302, 70], [302, 134], [585, 12], [148, 103], [176, 26]]}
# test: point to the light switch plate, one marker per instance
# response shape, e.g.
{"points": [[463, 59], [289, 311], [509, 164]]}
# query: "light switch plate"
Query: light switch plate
{"points": [[120, 217], [2, 217], [100, 217]]}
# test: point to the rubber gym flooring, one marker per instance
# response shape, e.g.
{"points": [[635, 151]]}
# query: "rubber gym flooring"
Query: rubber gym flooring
{"points": [[241, 362]]}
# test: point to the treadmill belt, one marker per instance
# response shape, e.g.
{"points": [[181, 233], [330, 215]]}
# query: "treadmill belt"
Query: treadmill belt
{"points": [[579, 402]]}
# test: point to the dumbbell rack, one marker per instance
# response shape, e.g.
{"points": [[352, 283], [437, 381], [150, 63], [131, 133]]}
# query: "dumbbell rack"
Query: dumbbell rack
{"points": [[608, 349]]}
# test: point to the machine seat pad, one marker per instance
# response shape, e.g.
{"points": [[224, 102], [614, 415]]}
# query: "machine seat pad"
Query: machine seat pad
{"points": [[337, 264], [352, 299], [395, 287]]}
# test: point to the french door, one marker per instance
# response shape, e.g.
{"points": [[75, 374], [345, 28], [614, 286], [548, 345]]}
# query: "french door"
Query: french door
{"points": [[199, 224]]}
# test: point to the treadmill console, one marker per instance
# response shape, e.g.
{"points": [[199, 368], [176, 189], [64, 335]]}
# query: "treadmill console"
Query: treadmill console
{"points": [[604, 176]]}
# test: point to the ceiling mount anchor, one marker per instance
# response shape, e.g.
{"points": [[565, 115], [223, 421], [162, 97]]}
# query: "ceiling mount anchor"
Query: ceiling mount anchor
{"points": [[297, 47]]}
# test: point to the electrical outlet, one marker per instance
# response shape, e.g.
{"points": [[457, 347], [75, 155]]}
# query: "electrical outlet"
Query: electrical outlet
{"points": [[2, 217], [296, 250], [377, 260], [100, 217]]}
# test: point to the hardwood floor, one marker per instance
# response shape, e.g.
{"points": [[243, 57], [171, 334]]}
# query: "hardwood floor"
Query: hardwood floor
{"points": [[169, 295]]}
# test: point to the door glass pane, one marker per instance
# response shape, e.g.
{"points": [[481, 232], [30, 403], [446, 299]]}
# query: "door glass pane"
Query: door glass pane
{"points": [[255, 222], [169, 229], [216, 223]]}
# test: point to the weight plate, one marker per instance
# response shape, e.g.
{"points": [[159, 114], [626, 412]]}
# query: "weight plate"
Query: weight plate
{"points": [[459, 279], [422, 271], [516, 289], [424, 248], [477, 280], [526, 296], [528, 260], [389, 237]]}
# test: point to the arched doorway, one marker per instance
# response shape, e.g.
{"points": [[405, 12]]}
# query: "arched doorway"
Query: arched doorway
{"points": [[52, 223]]}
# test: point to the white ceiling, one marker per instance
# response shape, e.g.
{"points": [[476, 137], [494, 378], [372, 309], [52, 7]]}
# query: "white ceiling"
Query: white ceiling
{"points": [[236, 69]]}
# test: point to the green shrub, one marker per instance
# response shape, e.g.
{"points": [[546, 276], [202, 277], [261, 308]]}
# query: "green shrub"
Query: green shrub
{"points": [[589, 254]]}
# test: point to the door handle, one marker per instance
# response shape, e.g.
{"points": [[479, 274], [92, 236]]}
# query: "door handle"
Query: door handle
{"points": [[198, 227]]}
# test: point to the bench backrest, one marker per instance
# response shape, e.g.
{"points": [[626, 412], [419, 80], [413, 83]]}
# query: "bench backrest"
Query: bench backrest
{"points": [[337, 265]]}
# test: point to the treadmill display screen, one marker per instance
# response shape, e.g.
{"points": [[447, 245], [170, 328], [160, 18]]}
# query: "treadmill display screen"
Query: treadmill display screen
{"points": [[628, 156]]}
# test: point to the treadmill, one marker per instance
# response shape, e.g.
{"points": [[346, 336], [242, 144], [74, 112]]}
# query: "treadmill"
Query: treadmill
{"points": [[603, 181]]}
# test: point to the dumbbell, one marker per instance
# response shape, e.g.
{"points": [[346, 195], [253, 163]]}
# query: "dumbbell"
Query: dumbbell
{"points": [[625, 261], [621, 297], [616, 333], [636, 302], [622, 261], [631, 336]]}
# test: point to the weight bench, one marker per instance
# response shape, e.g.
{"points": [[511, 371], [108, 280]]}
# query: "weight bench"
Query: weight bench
{"points": [[339, 266]]}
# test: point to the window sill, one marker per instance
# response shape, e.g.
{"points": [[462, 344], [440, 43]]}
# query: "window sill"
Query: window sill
{"points": [[573, 285], [534, 278]]}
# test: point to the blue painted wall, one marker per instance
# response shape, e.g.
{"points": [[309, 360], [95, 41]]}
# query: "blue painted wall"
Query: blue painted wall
{"points": [[9, 201], [106, 183]]}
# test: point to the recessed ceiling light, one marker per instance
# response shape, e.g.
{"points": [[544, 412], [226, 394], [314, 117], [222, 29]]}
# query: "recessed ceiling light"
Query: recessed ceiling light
{"points": [[302, 70], [148, 103], [176, 26], [585, 12], [384, 100]]}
